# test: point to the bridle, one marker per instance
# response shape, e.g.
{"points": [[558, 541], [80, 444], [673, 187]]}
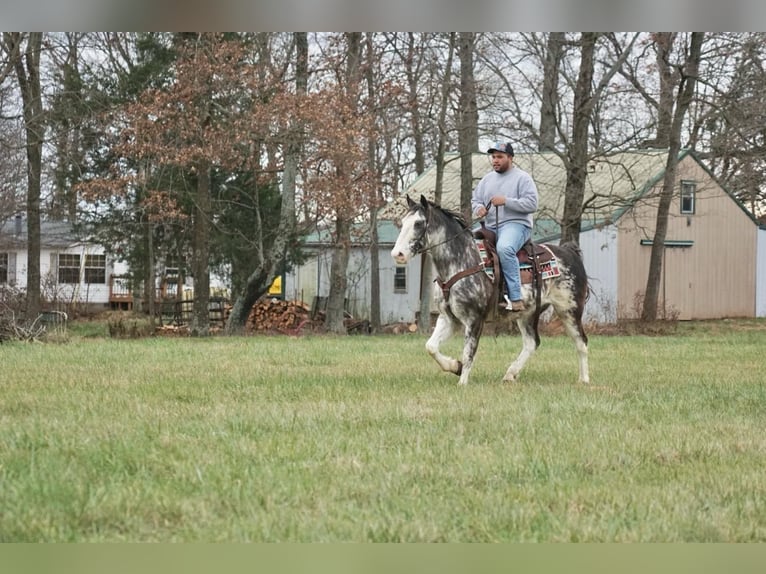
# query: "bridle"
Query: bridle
{"points": [[454, 236]]}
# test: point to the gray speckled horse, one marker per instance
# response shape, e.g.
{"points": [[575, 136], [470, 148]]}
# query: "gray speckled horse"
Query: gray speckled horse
{"points": [[467, 293]]}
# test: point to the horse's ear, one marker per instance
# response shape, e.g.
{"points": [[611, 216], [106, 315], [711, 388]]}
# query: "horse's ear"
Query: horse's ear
{"points": [[423, 201], [410, 203]]}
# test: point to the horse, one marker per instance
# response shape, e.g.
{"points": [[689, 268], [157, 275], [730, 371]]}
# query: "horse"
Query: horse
{"points": [[467, 293]]}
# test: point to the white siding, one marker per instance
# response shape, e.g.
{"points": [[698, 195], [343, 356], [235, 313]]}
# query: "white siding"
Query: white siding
{"points": [[301, 282], [399, 307], [312, 279], [81, 292], [760, 275], [51, 289], [599, 248]]}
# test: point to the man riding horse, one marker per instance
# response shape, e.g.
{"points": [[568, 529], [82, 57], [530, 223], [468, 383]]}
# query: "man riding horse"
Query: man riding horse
{"points": [[508, 197]]}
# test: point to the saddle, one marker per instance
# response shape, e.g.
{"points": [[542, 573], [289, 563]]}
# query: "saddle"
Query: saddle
{"points": [[536, 261]]}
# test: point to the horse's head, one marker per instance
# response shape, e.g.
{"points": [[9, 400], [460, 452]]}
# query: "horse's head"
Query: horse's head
{"points": [[412, 237]]}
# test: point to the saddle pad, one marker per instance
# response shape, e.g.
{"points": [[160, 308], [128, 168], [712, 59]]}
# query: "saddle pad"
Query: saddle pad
{"points": [[548, 270]]}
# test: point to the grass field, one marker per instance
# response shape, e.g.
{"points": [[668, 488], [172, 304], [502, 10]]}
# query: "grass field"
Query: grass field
{"points": [[324, 438]]}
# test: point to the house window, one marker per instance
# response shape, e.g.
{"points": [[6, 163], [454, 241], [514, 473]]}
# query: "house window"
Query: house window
{"points": [[3, 268], [688, 189], [400, 280], [69, 268], [95, 269]]}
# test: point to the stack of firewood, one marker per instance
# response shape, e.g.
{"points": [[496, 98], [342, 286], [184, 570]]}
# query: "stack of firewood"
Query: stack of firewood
{"points": [[278, 315]]}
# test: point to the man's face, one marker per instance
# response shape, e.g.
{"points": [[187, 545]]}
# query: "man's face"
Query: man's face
{"points": [[500, 161]]}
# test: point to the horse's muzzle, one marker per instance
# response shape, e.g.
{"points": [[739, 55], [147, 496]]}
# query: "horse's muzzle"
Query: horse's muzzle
{"points": [[399, 257]]}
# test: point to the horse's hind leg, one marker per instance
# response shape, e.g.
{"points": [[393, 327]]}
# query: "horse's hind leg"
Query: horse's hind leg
{"points": [[529, 344], [442, 332], [572, 321]]}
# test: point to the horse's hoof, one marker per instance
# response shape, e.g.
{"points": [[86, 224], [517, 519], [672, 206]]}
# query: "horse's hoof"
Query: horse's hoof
{"points": [[459, 370]]}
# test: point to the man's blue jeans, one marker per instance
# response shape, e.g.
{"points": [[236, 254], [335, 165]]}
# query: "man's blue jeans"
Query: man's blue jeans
{"points": [[511, 236]]}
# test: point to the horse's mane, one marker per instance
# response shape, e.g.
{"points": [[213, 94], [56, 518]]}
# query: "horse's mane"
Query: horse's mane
{"points": [[454, 215]]}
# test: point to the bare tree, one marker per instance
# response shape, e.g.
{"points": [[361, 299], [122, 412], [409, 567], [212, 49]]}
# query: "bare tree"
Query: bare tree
{"points": [[550, 96], [372, 157], [26, 62], [688, 70], [729, 115], [68, 115], [468, 123], [424, 322], [586, 97], [577, 151]]}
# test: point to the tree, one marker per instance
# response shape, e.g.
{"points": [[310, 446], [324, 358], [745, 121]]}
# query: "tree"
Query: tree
{"points": [[24, 51], [12, 161], [729, 114], [586, 96], [468, 130], [550, 95], [424, 319], [270, 259], [204, 117], [687, 77], [343, 217], [69, 120]]}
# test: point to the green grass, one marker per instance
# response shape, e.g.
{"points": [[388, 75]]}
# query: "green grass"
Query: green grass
{"points": [[363, 439]]}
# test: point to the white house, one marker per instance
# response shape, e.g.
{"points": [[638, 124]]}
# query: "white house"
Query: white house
{"points": [[72, 271]]}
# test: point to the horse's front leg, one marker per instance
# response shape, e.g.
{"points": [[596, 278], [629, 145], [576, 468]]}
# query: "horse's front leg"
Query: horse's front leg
{"points": [[471, 343], [442, 332], [528, 348]]}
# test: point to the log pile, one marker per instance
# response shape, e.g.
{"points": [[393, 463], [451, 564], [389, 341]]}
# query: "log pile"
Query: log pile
{"points": [[279, 315]]}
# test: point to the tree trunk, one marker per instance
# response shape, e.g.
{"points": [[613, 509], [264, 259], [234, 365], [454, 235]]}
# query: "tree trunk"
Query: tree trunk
{"points": [[686, 92], [550, 98], [664, 42], [577, 153], [468, 130], [377, 200], [336, 301], [200, 324], [28, 75]]}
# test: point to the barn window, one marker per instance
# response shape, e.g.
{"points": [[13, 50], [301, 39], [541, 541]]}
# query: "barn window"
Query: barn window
{"points": [[69, 268], [688, 189], [95, 269], [400, 280]]}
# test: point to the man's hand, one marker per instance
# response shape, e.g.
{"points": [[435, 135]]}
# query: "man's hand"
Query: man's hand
{"points": [[498, 200], [481, 212]]}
